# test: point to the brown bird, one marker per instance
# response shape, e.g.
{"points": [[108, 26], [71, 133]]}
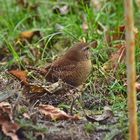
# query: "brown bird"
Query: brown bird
{"points": [[73, 67]]}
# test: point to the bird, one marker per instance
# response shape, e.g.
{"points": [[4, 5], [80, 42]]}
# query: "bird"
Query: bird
{"points": [[72, 68]]}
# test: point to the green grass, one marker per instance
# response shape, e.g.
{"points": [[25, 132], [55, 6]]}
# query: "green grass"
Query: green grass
{"points": [[104, 85]]}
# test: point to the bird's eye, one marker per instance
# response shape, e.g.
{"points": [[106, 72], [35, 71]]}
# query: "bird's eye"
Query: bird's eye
{"points": [[85, 48]]}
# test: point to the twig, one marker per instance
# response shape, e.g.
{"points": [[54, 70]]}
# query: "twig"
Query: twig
{"points": [[131, 72]]}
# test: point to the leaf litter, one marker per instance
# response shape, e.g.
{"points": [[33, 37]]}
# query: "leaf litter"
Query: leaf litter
{"points": [[42, 97], [8, 125], [40, 101], [60, 124], [39, 112]]}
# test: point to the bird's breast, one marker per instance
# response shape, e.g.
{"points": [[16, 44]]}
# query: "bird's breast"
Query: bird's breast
{"points": [[84, 68]]}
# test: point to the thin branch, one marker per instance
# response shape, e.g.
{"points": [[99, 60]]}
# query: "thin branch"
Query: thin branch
{"points": [[131, 72]]}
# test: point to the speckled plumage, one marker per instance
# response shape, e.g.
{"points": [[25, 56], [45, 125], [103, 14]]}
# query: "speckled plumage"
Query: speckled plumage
{"points": [[73, 67]]}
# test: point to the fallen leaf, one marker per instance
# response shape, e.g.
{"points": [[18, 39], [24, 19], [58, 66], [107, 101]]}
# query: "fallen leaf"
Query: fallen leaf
{"points": [[6, 107], [62, 10], [120, 53], [54, 113], [9, 129], [35, 88], [137, 86], [26, 116], [32, 88], [8, 126], [107, 115], [21, 75], [115, 58], [117, 34], [27, 36]]}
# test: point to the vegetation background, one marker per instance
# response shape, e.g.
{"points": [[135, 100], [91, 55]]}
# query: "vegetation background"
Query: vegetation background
{"points": [[36, 32]]}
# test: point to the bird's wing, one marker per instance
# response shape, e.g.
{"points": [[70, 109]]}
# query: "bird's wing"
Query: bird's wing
{"points": [[62, 65], [63, 69]]}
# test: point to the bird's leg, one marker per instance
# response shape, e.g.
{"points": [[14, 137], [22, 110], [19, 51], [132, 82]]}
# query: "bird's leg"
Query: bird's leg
{"points": [[75, 97], [72, 104]]}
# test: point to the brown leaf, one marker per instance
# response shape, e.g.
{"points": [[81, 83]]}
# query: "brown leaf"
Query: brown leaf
{"points": [[31, 88], [9, 129], [26, 116], [115, 58], [5, 106], [137, 86], [21, 75], [117, 34], [8, 126], [54, 113], [27, 36], [34, 88], [107, 114]]}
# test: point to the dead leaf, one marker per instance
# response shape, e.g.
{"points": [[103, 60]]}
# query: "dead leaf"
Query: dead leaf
{"points": [[21, 75], [107, 115], [6, 107], [9, 129], [119, 55], [54, 113], [26, 116], [117, 34], [62, 10], [27, 36], [115, 58], [32, 88], [35, 88], [113, 35], [137, 86], [8, 126]]}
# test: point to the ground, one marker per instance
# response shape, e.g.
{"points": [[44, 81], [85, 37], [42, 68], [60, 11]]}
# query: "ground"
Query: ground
{"points": [[34, 33]]}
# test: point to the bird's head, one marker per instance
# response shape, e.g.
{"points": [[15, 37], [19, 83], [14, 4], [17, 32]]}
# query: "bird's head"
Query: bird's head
{"points": [[79, 52]]}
